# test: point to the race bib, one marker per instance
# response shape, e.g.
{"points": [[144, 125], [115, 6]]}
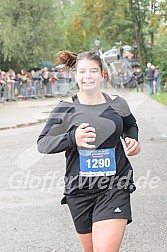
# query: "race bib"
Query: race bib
{"points": [[97, 162]]}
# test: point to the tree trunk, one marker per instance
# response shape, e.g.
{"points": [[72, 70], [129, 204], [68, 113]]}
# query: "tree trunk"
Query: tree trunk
{"points": [[138, 18]]}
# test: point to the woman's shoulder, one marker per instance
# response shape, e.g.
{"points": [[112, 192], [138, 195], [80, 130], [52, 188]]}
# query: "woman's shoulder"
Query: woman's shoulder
{"points": [[113, 97], [109, 97], [63, 109], [120, 105], [64, 104]]}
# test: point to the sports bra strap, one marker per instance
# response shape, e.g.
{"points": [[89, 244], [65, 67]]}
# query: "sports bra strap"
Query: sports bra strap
{"points": [[75, 99]]}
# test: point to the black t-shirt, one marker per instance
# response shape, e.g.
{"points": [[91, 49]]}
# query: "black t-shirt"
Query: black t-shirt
{"points": [[112, 121]]}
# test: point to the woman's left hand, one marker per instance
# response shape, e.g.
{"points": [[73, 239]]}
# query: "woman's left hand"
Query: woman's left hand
{"points": [[133, 146]]}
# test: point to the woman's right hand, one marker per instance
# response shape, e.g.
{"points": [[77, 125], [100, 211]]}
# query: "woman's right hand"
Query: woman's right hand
{"points": [[85, 134]]}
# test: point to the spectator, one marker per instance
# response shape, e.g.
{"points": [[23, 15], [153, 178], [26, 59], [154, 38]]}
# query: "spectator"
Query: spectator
{"points": [[157, 78], [52, 80], [63, 81], [105, 77], [139, 78], [149, 73], [45, 79], [25, 82], [2, 84]]}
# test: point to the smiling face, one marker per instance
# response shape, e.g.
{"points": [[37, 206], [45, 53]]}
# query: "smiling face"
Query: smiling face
{"points": [[88, 75]]}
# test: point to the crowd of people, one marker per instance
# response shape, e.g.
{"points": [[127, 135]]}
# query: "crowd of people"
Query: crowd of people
{"points": [[153, 78], [42, 82], [124, 72], [37, 82]]}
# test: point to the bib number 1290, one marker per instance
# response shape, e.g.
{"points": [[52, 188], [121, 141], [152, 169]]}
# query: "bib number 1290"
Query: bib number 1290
{"points": [[98, 163]]}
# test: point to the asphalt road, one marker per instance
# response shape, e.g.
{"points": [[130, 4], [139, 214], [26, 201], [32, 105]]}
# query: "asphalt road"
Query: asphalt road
{"points": [[31, 188]]}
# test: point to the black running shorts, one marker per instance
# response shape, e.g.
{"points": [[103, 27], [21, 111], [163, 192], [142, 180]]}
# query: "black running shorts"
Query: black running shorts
{"points": [[87, 208]]}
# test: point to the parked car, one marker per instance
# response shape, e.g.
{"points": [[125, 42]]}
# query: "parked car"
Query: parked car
{"points": [[111, 55]]}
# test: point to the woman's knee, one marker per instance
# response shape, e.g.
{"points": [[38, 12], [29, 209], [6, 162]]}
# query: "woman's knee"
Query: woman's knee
{"points": [[112, 246], [108, 235]]}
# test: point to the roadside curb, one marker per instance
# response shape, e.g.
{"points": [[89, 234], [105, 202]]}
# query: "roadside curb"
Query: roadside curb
{"points": [[23, 125], [27, 107]]}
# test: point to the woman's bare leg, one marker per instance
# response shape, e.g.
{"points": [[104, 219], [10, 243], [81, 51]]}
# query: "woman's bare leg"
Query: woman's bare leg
{"points": [[108, 234], [86, 241]]}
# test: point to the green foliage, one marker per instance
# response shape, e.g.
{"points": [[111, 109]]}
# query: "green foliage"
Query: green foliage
{"points": [[33, 31], [107, 19], [160, 55], [26, 28]]}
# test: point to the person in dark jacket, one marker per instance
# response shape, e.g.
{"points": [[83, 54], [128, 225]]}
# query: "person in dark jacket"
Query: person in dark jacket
{"points": [[99, 177], [149, 73], [139, 77]]}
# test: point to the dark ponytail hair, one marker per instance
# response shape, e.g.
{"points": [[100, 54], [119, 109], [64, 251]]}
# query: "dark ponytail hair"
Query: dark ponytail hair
{"points": [[70, 59]]}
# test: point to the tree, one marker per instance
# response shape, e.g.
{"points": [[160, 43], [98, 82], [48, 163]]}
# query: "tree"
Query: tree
{"points": [[33, 31], [138, 14], [26, 28]]}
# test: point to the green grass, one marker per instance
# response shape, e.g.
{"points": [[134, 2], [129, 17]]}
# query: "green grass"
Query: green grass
{"points": [[162, 98]]}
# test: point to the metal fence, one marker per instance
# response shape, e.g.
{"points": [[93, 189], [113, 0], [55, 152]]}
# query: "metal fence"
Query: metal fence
{"points": [[36, 89]]}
